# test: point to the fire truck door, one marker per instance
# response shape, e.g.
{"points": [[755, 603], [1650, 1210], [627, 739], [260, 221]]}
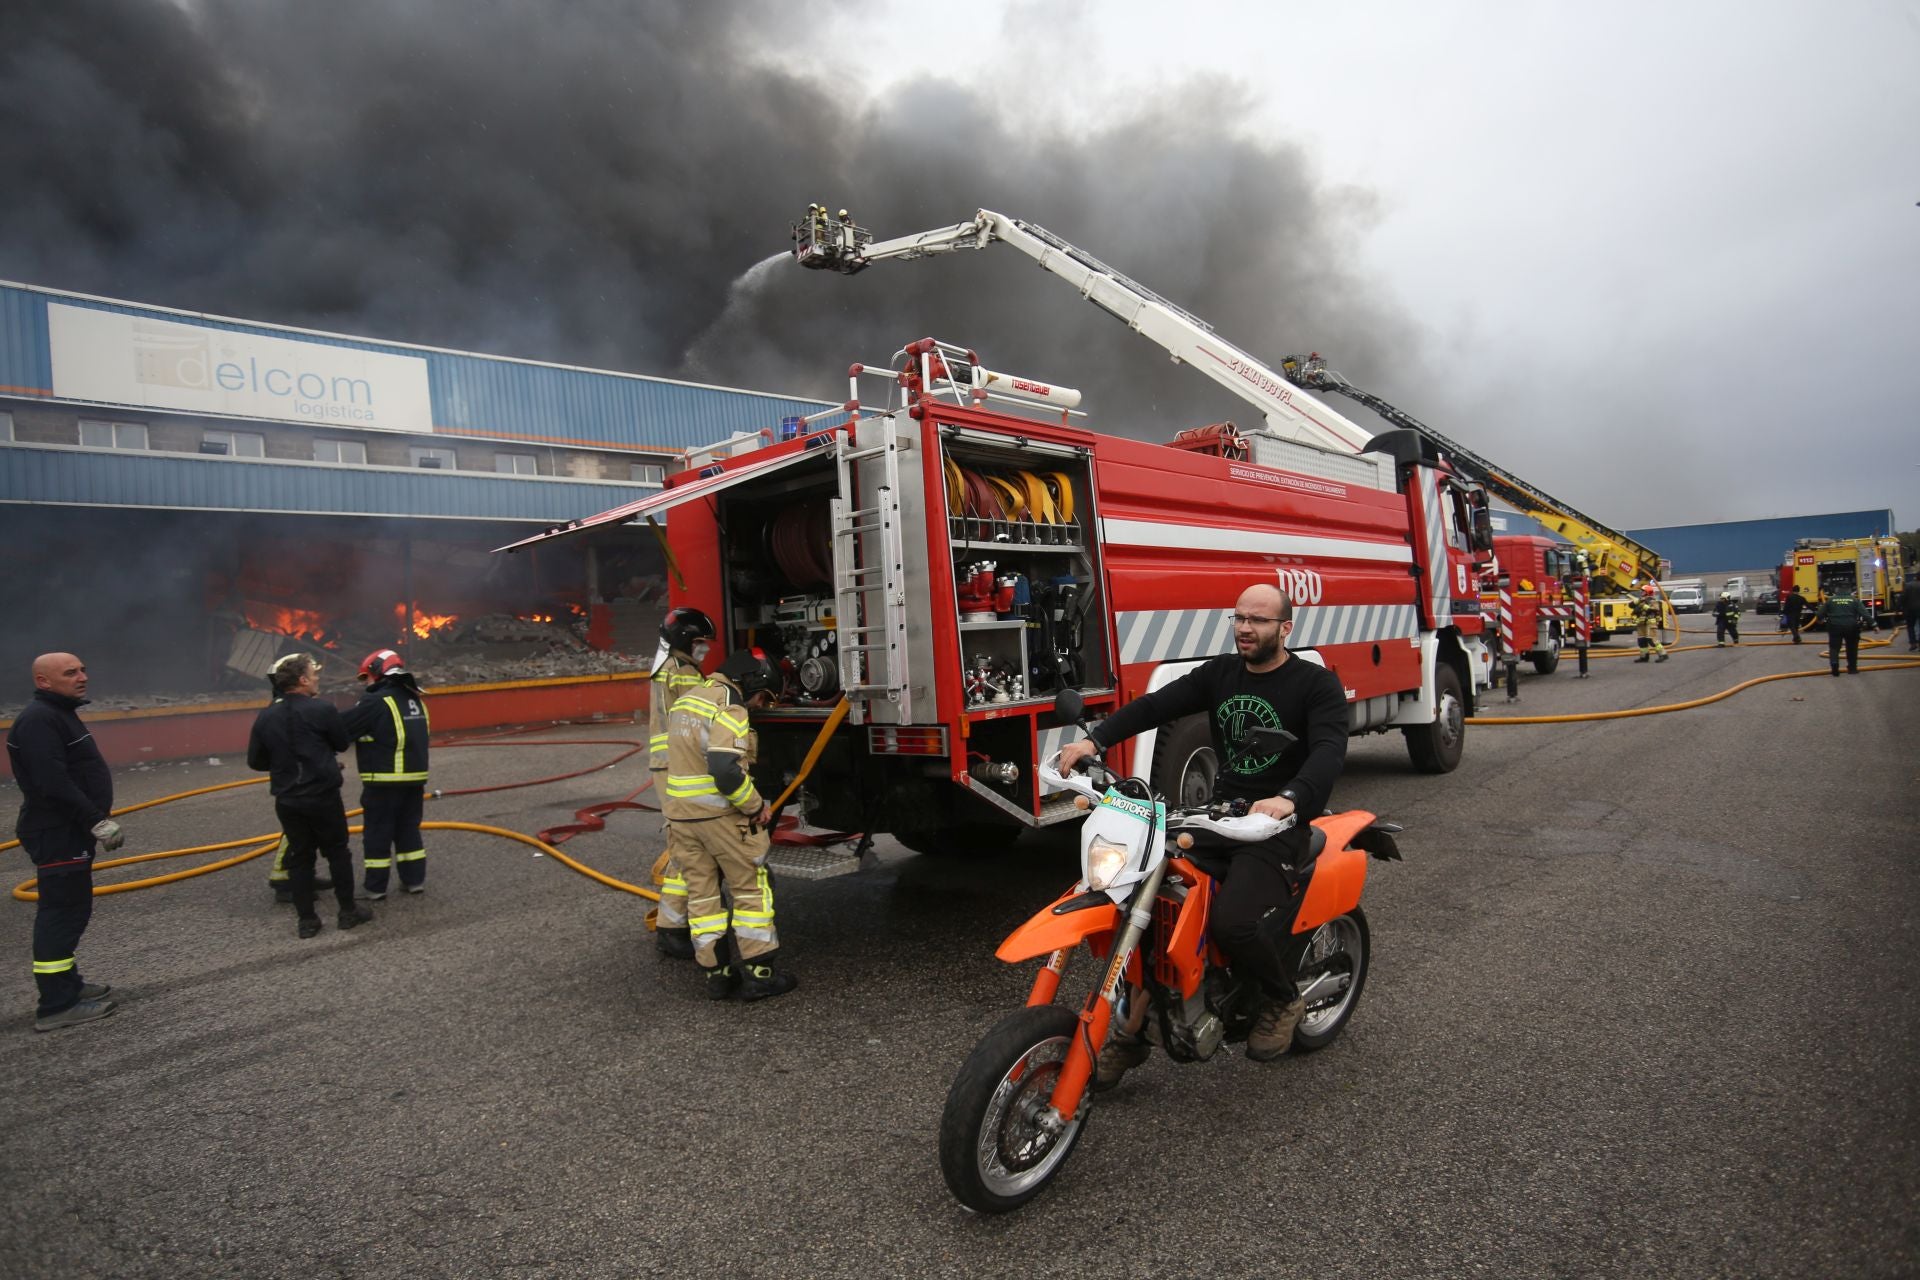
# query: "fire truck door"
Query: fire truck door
{"points": [[1436, 530]]}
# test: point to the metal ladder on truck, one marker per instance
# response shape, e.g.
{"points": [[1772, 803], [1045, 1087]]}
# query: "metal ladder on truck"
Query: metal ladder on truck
{"points": [[869, 585]]}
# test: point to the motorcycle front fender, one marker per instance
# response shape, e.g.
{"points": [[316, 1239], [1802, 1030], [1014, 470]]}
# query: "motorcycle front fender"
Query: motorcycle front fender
{"points": [[1053, 930]]}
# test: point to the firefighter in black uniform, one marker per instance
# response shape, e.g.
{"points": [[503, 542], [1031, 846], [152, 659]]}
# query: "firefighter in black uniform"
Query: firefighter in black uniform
{"points": [[389, 728], [296, 740], [1793, 610], [66, 808], [1726, 619]]}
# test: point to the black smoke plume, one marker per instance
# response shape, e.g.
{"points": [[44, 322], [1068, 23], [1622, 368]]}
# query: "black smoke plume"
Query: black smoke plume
{"points": [[594, 182]]}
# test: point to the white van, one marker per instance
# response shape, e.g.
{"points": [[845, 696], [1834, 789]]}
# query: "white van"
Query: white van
{"points": [[1686, 599]]}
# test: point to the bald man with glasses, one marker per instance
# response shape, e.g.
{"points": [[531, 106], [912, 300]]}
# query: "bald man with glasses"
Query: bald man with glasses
{"points": [[1260, 685]]}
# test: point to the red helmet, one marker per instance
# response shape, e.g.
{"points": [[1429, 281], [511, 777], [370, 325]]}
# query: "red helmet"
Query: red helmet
{"points": [[1647, 588], [381, 663]]}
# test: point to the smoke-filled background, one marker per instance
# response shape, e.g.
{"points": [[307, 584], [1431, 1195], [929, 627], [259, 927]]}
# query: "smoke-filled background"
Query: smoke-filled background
{"points": [[602, 183]]}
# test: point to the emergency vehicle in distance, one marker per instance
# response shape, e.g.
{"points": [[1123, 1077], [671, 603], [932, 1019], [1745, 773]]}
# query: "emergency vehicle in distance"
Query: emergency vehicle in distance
{"points": [[1540, 574], [1869, 568], [1609, 568]]}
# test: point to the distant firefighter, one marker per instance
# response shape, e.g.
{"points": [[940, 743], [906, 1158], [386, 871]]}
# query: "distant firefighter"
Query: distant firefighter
{"points": [[1647, 611], [389, 729], [1726, 618]]}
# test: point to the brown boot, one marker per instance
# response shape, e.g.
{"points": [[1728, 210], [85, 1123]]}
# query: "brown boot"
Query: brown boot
{"points": [[1119, 1056], [1272, 1033]]}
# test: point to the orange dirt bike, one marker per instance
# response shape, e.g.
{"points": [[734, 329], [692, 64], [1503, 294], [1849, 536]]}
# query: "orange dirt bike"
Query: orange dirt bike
{"points": [[1020, 1101]]}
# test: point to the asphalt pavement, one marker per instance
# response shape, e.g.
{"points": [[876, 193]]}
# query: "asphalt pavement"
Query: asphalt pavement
{"points": [[1643, 1004]]}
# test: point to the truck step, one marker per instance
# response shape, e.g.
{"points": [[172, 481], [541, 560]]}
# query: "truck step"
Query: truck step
{"points": [[807, 862]]}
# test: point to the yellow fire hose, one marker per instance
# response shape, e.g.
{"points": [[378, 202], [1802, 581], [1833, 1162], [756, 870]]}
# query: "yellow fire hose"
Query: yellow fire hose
{"points": [[1889, 663]]}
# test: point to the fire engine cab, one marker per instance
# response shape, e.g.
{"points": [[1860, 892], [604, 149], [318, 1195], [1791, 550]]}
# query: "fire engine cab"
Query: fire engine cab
{"points": [[931, 573]]}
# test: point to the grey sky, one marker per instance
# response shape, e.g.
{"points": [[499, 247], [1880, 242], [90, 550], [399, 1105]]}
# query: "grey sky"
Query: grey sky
{"points": [[1659, 259]]}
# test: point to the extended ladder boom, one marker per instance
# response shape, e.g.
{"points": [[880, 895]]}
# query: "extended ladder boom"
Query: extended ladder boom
{"points": [[1612, 554], [835, 243]]}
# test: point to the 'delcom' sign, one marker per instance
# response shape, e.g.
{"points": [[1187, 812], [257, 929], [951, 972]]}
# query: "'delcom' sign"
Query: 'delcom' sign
{"points": [[114, 358]]}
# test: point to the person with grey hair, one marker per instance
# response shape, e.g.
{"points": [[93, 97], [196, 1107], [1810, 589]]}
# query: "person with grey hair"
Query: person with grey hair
{"points": [[297, 741]]}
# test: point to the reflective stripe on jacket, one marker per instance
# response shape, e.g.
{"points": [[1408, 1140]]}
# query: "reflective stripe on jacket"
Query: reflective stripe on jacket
{"points": [[390, 728], [675, 676], [708, 719]]}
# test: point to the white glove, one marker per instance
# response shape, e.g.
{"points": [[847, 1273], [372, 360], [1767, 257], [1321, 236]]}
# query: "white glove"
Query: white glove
{"points": [[109, 834]]}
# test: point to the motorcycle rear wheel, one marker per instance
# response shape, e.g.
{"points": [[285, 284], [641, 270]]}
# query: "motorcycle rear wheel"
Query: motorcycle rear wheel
{"points": [[993, 1153], [1342, 943]]}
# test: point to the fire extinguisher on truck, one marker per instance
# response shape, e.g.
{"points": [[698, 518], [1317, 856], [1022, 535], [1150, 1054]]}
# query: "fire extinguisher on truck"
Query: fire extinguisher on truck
{"points": [[930, 573]]}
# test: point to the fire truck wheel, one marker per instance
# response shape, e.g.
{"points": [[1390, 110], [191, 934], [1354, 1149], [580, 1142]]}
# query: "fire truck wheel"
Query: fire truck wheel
{"points": [[959, 839], [1545, 660], [1184, 766], [1436, 747]]}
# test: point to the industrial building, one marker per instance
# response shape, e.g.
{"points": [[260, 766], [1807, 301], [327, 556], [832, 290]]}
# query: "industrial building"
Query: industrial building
{"points": [[1740, 545], [175, 486]]}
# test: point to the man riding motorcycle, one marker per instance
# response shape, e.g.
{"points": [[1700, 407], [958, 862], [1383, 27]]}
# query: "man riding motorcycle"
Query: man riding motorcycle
{"points": [[1259, 686]]}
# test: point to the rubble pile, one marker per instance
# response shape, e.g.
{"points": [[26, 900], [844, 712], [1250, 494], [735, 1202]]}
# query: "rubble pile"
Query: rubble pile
{"points": [[487, 649]]}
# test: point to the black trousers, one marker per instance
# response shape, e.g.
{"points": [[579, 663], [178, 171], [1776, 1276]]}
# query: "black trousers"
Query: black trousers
{"points": [[390, 833], [1724, 627], [66, 904], [1850, 638], [1254, 909], [321, 829], [1793, 624]]}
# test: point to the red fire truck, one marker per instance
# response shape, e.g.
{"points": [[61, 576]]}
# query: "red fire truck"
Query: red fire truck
{"points": [[945, 565], [1536, 594]]}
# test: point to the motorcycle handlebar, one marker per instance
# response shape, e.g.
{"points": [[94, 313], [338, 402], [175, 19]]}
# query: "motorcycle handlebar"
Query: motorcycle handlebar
{"points": [[1229, 818]]}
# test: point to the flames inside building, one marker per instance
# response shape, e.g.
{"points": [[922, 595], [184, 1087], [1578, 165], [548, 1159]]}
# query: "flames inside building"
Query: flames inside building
{"points": [[172, 607]]}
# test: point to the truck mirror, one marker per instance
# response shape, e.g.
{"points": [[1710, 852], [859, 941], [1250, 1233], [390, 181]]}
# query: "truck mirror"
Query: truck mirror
{"points": [[1482, 527], [1069, 707]]}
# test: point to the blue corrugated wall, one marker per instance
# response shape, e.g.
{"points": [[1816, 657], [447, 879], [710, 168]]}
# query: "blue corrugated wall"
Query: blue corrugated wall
{"points": [[1754, 544], [487, 396], [110, 478]]}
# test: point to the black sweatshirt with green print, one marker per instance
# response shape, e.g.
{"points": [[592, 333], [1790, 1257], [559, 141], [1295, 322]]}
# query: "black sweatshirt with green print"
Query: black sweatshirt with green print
{"points": [[1304, 699]]}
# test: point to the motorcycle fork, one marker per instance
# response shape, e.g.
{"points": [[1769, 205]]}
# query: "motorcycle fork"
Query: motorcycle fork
{"points": [[1047, 982], [1097, 1014]]}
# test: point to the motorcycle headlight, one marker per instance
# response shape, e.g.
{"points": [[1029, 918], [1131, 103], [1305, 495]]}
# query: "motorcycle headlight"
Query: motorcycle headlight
{"points": [[1105, 861]]}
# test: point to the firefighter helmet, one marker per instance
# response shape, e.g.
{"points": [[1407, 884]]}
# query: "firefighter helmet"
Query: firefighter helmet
{"points": [[1647, 588], [683, 626], [382, 663], [750, 670]]}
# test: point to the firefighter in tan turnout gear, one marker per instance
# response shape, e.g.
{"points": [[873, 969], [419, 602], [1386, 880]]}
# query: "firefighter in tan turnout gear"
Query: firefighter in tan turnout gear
{"points": [[718, 827], [685, 635]]}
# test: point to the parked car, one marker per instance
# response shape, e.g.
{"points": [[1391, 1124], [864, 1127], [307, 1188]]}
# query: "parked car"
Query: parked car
{"points": [[1767, 601], [1686, 600]]}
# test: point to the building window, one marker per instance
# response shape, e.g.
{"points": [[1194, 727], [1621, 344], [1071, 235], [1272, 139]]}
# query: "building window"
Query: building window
{"points": [[515, 464], [348, 452], [432, 459], [6, 426], [651, 474], [234, 444], [112, 435]]}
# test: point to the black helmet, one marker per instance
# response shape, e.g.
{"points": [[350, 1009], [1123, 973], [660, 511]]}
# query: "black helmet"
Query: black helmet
{"points": [[750, 670], [682, 626]]}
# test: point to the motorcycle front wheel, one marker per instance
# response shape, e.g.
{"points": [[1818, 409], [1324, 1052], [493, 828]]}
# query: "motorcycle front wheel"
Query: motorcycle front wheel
{"points": [[994, 1152], [1338, 953]]}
